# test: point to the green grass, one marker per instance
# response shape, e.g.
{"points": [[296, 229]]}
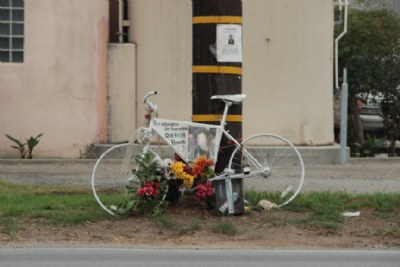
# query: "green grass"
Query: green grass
{"points": [[393, 231], [69, 206], [224, 228], [324, 209], [329, 202], [9, 226], [193, 226], [49, 205], [166, 223]]}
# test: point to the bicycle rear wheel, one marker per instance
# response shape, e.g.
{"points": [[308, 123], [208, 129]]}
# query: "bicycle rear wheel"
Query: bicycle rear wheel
{"points": [[280, 165]]}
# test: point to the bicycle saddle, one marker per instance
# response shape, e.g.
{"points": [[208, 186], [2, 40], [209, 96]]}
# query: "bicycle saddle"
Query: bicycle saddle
{"points": [[235, 99]]}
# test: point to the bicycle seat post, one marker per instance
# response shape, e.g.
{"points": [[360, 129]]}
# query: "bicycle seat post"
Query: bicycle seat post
{"points": [[229, 100], [223, 119]]}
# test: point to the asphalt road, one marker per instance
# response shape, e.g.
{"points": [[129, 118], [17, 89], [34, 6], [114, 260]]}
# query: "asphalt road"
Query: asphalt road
{"points": [[60, 257]]}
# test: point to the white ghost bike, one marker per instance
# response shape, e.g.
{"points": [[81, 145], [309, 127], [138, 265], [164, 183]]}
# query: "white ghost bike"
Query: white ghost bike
{"points": [[266, 162]]}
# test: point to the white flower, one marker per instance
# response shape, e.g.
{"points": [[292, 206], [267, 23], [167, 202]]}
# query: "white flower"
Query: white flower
{"points": [[266, 204], [169, 175], [168, 162]]}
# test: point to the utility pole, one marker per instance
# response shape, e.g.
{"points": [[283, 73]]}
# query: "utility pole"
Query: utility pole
{"points": [[217, 66], [217, 70]]}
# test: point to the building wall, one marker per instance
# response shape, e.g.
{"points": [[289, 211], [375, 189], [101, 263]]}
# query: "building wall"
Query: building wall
{"points": [[287, 64], [162, 32], [60, 90], [121, 91], [288, 69]]}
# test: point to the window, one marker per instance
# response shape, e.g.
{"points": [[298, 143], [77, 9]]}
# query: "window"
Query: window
{"points": [[11, 31]]}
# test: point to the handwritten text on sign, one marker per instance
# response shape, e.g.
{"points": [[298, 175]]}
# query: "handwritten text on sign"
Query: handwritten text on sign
{"points": [[175, 133], [185, 138]]}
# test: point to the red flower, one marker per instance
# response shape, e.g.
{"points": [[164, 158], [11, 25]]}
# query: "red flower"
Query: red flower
{"points": [[186, 169], [154, 193], [196, 170], [200, 195], [201, 187], [177, 157], [140, 192], [148, 184], [200, 164], [209, 189], [201, 161], [156, 185], [203, 191], [148, 191]]}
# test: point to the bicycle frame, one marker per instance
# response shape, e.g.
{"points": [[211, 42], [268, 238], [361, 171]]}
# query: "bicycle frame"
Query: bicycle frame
{"points": [[169, 129], [156, 125], [161, 127]]}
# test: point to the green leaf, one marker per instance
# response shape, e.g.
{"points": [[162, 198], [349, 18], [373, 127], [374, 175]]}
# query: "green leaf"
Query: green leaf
{"points": [[14, 140], [130, 204], [32, 142]]}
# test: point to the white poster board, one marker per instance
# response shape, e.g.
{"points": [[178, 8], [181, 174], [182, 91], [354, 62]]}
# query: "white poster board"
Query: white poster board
{"points": [[229, 43], [189, 139]]}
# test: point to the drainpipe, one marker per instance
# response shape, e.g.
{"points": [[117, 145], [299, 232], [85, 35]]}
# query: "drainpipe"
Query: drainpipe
{"points": [[122, 22], [343, 120], [120, 19], [341, 4]]}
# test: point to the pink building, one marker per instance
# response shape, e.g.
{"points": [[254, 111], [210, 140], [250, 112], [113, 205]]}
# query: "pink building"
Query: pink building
{"points": [[64, 72]]}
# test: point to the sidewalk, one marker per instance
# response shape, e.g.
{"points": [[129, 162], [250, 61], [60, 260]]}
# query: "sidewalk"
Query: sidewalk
{"points": [[360, 175]]}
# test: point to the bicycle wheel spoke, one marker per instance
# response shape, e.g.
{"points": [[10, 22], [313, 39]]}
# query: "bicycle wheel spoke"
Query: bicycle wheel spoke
{"points": [[277, 156]]}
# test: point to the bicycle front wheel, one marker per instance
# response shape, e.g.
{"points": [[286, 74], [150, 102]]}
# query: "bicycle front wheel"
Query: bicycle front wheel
{"points": [[112, 172], [275, 159]]}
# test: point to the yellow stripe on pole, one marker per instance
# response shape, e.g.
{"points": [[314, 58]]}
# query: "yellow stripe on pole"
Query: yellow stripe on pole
{"points": [[217, 69], [216, 117], [217, 19]]}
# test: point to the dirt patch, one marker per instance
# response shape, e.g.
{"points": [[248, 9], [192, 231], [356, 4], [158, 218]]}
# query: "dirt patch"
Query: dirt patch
{"points": [[197, 228]]}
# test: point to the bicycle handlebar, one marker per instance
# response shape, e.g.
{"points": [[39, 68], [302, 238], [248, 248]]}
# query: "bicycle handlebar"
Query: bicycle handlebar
{"points": [[146, 100]]}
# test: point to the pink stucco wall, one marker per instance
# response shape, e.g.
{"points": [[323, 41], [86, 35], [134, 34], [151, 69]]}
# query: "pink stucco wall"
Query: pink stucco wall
{"points": [[61, 88]]}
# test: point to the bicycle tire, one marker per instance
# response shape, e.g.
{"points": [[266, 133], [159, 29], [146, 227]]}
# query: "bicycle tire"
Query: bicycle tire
{"points": [[282, 161], [110, 175]]}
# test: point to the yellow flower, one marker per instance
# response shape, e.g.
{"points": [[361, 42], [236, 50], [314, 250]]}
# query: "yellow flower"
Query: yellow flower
{"points": [[188, 180], [178, 168]]}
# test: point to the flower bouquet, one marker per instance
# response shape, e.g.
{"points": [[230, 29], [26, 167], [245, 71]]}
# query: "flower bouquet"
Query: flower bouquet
{"points": [[153, 183], [191, 178]]}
